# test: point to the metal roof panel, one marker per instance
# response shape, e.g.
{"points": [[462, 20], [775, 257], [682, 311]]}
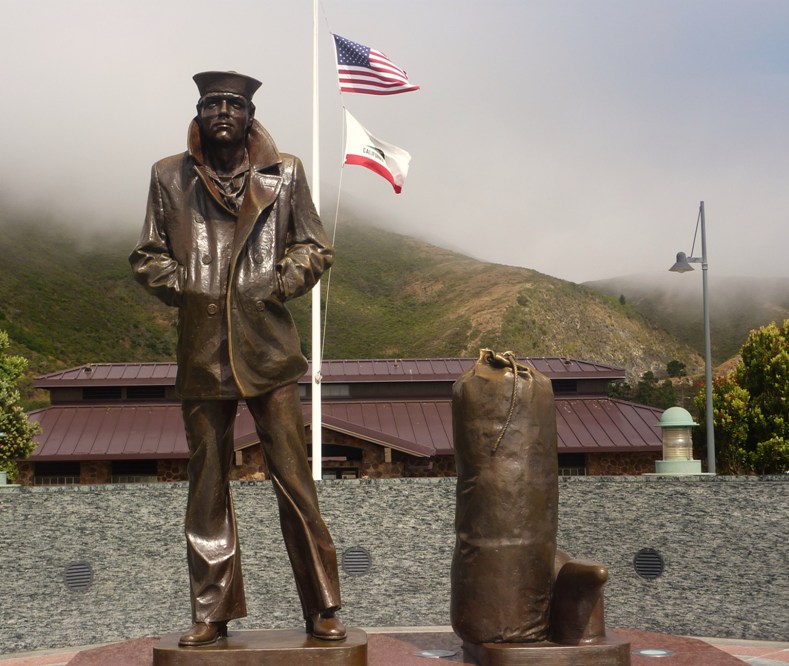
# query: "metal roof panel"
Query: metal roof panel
{"points": [[422, 428], [336, 371]]}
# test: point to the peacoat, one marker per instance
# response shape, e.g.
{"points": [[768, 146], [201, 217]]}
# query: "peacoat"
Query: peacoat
{"points": [[230, 275]]}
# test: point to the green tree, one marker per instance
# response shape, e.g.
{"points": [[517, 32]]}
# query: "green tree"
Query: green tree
{"points": [[16, 431], [675, 368], [648, 391], [751, 406]]}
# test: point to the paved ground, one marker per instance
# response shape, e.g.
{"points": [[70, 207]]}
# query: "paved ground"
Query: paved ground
{"points": [[392, 645], [758, 653]]}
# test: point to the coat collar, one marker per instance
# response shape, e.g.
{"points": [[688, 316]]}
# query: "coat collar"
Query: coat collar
{"points": [[262, 189], [261, 148], [262, 153]]}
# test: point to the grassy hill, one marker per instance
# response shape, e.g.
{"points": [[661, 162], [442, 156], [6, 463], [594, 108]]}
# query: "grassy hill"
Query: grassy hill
{"points": [[394, 296], [66, 301], [737, 305]]}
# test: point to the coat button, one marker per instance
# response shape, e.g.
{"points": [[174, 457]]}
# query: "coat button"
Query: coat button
{"points": [[258, 257], [260, 305], [212, 308], [207, 258]]}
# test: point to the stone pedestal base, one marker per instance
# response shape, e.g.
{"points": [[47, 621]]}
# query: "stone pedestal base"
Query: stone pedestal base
{"points": [[613, 651], [275, 647]]}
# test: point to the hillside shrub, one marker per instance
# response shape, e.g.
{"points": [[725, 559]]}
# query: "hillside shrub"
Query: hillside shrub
{"points": [[675, 368], [649, 391], [751, 406], [16, 431]]}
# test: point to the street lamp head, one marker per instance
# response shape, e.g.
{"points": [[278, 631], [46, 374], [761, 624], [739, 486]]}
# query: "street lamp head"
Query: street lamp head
{"points": [[675, 424], [676, 417], [682, 265]]}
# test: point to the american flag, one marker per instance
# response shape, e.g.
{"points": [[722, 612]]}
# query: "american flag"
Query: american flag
{"points": [[361, 69]]}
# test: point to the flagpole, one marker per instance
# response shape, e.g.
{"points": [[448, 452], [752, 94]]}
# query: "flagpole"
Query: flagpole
{"points": [[317, 448]]}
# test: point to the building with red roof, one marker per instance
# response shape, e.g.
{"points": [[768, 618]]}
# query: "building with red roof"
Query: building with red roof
{"points": [[121, 422]]}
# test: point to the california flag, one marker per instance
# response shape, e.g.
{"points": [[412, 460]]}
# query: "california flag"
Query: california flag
{"points": [[364, 149]]}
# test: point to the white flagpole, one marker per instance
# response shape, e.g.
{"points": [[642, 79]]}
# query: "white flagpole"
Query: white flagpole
{"points": [[317, 449]]}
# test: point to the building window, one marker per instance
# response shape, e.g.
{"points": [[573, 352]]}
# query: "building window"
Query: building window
{"points": [[564, 386], [96, 393], [336, 390], [146, 392], [338, 452], [332, 473], [134, 471], [56, 473], [572, 464]]}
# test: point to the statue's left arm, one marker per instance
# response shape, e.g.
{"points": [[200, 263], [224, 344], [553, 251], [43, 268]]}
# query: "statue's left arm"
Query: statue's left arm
{"points": [[308, 253]]}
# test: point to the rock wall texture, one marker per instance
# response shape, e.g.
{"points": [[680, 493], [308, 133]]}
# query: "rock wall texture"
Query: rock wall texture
{"points": [[722, 541]]}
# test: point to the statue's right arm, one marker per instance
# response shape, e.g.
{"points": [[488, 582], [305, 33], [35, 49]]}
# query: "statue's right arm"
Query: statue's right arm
{"points": [[152, 262]]}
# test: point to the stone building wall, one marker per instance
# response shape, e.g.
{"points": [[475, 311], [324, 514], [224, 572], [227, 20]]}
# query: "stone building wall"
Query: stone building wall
{"points": [[171, 470], [252, 467], [619, 464], [26, 474], [372, 465], [424, 468], [722, 541], [93, 472]]}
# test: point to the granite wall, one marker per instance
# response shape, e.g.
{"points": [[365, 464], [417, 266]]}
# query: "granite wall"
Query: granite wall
{"points": [[723, 541]]}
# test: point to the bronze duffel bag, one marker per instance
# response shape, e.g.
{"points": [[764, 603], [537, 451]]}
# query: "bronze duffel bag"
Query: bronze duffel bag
{"points": [[507, 501]]}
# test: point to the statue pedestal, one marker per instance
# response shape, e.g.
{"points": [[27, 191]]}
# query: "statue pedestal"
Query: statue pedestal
{"points": [[612, 651], [273, 647]]}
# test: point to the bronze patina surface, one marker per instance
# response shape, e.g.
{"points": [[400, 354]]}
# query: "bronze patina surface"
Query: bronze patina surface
{"points": [[274, 647], [613, 650], [506, 512], [516, 598], [230, 235]]}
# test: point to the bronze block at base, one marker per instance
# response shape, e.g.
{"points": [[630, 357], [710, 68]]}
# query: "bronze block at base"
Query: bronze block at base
{"points": [[612, 651], [273, 647]]}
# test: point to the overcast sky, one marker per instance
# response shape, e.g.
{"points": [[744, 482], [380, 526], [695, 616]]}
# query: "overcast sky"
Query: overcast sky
{"points": [[574, 137]]}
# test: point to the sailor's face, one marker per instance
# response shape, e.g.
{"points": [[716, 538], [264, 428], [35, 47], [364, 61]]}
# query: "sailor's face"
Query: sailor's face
{"points": [[224, 118]]}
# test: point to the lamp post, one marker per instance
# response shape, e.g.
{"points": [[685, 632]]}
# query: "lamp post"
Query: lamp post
{"points": [[683, 265], [3, 473]]}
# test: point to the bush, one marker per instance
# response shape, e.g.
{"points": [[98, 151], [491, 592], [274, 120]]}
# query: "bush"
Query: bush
{"points": [[751, 406], [16, 431]]}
